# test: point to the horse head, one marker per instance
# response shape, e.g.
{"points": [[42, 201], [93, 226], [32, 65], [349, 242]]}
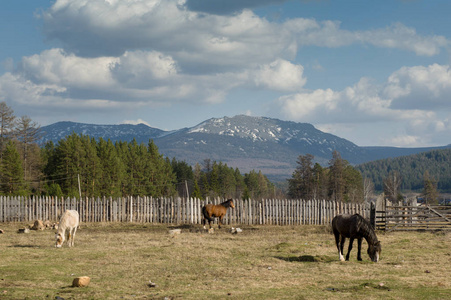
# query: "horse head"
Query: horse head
{"points": [[59, 240], [374, 251], [231, 203]]}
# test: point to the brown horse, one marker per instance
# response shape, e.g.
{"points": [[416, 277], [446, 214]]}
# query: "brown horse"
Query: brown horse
{"points": [[211, 211], [355, 227]]}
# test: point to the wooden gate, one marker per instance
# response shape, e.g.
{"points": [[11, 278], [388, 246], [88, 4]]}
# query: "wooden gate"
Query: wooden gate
{"points": [[429, 217]]}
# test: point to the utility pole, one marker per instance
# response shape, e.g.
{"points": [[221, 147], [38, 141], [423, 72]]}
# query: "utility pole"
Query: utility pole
{"points": [[79, 187], [186, 187]]}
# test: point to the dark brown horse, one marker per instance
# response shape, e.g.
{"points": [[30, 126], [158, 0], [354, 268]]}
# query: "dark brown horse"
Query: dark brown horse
{"points": [[355, 227], [211, 211]]}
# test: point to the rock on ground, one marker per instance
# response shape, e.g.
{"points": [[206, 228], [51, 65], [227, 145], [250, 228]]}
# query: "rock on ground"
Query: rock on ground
{"points": [[81, 281]]}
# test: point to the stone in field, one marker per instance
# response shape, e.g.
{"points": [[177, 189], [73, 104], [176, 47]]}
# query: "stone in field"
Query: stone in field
{"points": [[81, 281]]}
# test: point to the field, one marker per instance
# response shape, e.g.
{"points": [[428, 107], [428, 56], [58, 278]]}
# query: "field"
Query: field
{"points": [[262, 262]]}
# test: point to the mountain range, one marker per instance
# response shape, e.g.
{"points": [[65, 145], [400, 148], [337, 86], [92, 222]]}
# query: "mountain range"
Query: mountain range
{"points": [[243, 142]]}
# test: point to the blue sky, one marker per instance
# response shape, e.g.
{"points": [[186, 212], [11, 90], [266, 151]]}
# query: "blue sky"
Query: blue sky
{"points": [[374, 72]]}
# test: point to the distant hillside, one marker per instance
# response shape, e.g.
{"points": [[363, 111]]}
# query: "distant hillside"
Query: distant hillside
{"points": [[124, 132], [248, 143], [412, 169]]}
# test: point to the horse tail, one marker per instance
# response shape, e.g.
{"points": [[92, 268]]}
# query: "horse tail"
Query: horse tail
{"points": [[334, 225]]}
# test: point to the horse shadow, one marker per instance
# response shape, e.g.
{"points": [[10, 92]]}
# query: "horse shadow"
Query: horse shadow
{"points": [[307, 259], [25, 246]]}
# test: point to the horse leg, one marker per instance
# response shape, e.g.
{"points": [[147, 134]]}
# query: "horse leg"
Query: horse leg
{"points": [[359, 249], [342, 244], [209, 222], [337, 242], [220, 222], [69, 237], [351, 240], [73, 236]]}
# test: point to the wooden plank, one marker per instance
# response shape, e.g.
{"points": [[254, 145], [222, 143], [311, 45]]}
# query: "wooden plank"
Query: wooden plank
{"points": [[429, 207]]}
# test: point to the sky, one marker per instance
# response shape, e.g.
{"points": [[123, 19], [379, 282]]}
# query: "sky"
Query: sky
{"points": [[374, 72]]}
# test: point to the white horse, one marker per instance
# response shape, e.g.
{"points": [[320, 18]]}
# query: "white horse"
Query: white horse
{"points": [[69, 220]]}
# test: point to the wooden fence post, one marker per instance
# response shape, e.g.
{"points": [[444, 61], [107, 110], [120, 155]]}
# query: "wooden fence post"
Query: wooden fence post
{"points": [[373, 215]]}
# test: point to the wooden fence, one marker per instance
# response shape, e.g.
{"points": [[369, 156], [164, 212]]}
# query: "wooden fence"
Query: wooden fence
{"points": [[176, 210], [404, 218]]}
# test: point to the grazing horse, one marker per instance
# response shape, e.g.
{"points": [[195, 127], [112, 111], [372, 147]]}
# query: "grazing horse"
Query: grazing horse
{"points": [[70, 221], [211, 211], [355, 227]]}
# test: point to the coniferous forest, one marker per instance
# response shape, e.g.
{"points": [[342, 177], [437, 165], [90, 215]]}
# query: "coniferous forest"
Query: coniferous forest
{"points": [[412, 169]]}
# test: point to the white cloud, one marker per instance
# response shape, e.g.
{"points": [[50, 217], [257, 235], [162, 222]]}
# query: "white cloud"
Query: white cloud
{"points": [[280, 75], [143, 69], [402, 37], [135, 122], [67, 70], [404, 140], [155, 51], [420, 87], [307, 106], [199, 40], [368, 102]]}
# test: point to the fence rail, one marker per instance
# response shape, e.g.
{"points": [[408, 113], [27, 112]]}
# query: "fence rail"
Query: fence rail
{"points": [[176, 210], [405, 218]]}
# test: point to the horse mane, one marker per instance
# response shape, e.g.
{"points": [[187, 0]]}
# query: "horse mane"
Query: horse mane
{"points": [[227, 203], [366, 229]]}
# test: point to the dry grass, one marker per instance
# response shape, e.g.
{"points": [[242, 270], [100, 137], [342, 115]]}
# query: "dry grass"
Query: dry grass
{"points": [[264, 262]]}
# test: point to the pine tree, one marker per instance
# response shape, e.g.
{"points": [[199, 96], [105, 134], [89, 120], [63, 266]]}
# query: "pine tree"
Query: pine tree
{"points": [[227, 181], [27, 132], [301, 185], [336, 177], [110, 171], [251, 180], [50, 166], [353, 191], [184, 176], [196, 191], [11, 172], [162, 178], [135, 166], [368, 189], [90, 168], [240, 185], [320, 182], [122, 149], [69, 156], [7, 123], [264, 187], [430, 193], [392, 184], [214, 180]]}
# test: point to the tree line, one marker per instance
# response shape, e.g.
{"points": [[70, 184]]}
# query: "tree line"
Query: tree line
{"points": [[79, 165], [339, 181], [414, 170]]}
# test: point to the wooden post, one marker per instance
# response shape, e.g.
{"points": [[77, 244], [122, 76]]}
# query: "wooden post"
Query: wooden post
{"points": [[373, 215], [191, 211]]}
